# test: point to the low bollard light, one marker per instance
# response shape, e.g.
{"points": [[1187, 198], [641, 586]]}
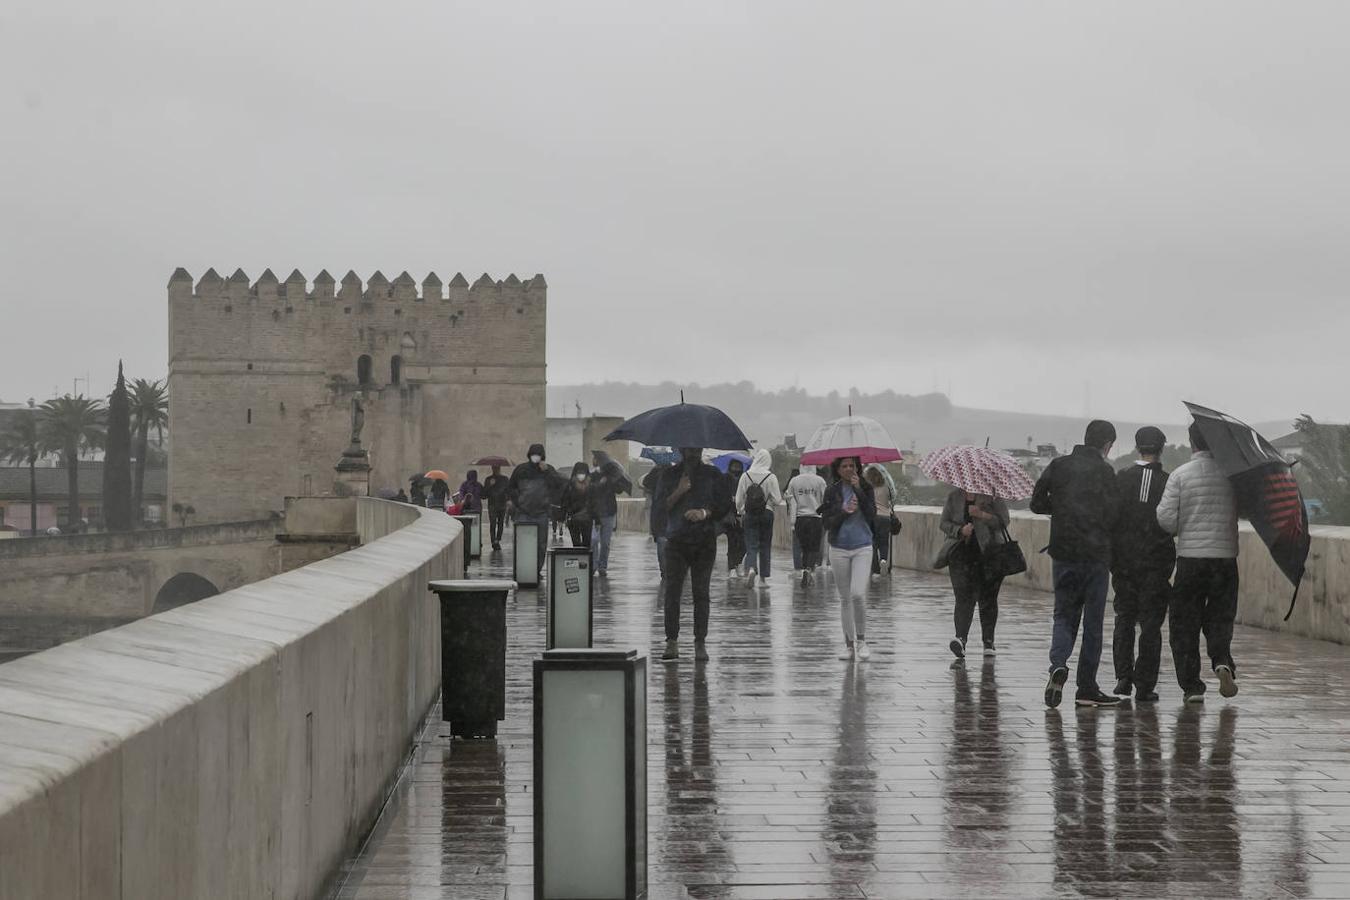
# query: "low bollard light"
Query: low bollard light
{"points": [[590, 822], [473, 655], [525, 554], [476, 538], [466, 521], [570, 598]]}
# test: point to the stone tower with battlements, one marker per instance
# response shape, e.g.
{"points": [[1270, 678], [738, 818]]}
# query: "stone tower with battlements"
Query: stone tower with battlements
{"points": [[262, 376]]}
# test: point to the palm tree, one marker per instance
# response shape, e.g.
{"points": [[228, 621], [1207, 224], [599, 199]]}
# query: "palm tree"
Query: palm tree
{"points": [[69, 425], [21, 445], [149, 409]]}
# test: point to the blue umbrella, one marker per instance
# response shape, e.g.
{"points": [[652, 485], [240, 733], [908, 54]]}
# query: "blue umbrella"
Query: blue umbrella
{"points": [[682, 425], [662, 456], [723, 462]]}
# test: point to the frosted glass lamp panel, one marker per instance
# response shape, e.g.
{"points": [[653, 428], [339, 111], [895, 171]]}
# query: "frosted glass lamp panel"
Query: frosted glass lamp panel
{"points": [[639, 714], [527, 553], [583, 792], [570, 585]]}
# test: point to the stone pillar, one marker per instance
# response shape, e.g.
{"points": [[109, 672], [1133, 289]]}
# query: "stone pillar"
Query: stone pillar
{"points": [[353, 473]]}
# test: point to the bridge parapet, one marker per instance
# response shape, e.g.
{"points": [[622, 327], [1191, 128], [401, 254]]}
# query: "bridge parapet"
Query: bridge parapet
{"points": [[239, 745]]}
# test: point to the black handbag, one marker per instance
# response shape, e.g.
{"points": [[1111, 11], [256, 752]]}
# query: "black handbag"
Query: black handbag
{"points": [[1007, 558], [895, 524]]}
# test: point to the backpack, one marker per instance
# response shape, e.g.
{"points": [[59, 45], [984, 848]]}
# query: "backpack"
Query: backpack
{"points": [[755, 499]]}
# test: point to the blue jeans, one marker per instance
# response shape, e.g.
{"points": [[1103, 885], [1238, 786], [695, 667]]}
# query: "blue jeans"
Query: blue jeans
{"points": [[758, 541], [604, 530], [1080, 595]]}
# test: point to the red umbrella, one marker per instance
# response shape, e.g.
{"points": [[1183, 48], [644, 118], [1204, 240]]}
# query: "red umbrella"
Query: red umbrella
{"points": [[980, 471]]}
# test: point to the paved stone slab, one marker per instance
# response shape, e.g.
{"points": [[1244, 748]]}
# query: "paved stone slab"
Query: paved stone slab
{"points": [[778, 771]]}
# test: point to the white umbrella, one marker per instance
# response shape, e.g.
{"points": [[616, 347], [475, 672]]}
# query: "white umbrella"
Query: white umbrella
{"points": [[852, 435]]}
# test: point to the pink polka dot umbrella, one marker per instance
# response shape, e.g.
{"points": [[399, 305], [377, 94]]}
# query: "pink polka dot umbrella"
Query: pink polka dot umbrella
{"points": [[979, 470]]}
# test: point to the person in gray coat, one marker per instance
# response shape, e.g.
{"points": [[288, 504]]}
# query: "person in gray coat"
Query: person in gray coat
{"points": [[972, 523]]}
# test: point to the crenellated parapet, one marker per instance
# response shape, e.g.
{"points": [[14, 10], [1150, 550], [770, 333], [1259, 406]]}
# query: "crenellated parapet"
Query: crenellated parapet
{"points": [[268, 289]]}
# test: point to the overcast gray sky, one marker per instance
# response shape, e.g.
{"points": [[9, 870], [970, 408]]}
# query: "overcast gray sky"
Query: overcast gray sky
{"points": [[1026, 202]]}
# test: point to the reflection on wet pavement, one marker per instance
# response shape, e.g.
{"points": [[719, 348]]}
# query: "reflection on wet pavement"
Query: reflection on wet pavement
{"points": [[778, 771]]}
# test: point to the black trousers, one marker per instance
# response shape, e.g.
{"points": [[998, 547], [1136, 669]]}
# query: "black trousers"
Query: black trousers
{"points": [[808, 530], [580, 532], [1204, 600], [496, 522], [973, 589], [1142, 597], [695, 561], [735, 544]]}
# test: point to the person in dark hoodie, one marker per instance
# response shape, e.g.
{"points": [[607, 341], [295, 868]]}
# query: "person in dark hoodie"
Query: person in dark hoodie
{"points": [[691, 499], [1078, 493], [531, 491], [495, 490], [608, 480], [577, 502], [471, 493], [731, 524], [1142, 559]]}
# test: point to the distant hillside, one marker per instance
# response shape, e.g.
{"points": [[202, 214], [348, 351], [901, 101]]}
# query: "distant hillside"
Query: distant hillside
{"points": [[917, 422]]}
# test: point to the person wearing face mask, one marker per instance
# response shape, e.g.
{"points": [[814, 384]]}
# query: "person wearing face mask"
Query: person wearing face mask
{"points": [[848, 514], [530, 493], [578, 501], [690, 500]]}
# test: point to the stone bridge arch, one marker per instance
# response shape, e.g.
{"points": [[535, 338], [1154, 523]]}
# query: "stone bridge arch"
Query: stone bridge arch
{"points": [[181, 589]]}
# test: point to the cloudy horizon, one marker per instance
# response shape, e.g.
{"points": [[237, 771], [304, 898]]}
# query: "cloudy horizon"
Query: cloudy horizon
{"points": [[1053, 208]]}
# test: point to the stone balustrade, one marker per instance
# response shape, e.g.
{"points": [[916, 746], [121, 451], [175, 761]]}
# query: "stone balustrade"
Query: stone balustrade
{"points": [[238, 746]]}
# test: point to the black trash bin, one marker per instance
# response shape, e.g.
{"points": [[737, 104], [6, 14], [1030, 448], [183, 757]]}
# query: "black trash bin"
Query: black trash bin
{"points": [[473, 655]]}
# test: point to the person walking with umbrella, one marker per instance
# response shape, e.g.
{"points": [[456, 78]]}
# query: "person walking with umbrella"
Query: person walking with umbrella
{"points": [[1078, 492], [692, 497], [757, 496], [1199, 506], [1142, 558], [496, 487], [848, 514]]}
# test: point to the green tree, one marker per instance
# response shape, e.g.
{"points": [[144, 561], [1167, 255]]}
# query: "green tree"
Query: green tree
{"points": [[1325, 462], [149, 410], [70, 425], [22, 445], [117, 509]]}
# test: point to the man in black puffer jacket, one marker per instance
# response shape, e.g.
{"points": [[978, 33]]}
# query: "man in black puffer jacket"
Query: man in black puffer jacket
{"points": [[530, 494], [1078, 492], [1142, 559]]}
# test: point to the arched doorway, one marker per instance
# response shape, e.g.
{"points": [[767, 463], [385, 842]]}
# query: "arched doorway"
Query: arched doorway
{"points": [[181, 589]]}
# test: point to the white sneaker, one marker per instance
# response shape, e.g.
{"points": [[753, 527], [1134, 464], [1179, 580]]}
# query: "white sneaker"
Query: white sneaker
{"points": [[846, 653], [863, 651], [875, 578], [750, 578]]}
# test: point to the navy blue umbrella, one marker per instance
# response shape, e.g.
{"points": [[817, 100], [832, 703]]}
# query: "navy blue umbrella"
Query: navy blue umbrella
{"points": [[683, 425]]}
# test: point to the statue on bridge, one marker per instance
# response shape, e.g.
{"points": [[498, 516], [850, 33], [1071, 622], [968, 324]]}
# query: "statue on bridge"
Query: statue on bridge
{"points": [[358, 421]]}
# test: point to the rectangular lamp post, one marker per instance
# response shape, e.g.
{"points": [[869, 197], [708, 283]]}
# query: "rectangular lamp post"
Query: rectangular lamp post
{"points": [[570, 598], [525, 554], [473, 654], [476, 541], [466, 522], [590, 822]]}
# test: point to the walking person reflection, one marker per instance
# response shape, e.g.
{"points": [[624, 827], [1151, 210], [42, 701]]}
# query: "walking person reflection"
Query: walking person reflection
{"points": [[850, 830], [1203, 799], [692, 818], [975, 766]]}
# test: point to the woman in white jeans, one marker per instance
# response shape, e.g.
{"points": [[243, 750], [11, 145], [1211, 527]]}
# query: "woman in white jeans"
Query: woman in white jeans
{"points": [[847, 515]]}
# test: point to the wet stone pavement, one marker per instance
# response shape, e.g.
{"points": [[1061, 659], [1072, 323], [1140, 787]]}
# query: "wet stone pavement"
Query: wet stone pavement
{"points": [[779, 771]]}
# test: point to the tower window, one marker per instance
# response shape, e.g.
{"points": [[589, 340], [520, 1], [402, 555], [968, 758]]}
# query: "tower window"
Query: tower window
{"points": [[248, 417], [363, 369], [396, 370]]}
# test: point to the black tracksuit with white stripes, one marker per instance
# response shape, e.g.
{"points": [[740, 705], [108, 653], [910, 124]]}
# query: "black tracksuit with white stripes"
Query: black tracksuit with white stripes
{"points": [[1142, 559]]}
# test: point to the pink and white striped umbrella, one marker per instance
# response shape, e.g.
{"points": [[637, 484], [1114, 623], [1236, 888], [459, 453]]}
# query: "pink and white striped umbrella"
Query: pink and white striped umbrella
{"points": [[979, 470], [850, 436]]}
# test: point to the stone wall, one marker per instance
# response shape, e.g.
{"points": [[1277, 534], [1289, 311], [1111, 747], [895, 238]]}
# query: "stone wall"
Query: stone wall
{"points": [[240, 746], [262, 378]]}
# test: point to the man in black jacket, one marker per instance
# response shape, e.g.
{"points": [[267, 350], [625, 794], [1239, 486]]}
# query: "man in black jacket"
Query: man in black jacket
{"points": [[1142, 559], [690, 500], [1078, 492], [495, 490], [608, 480], [530, 492]]}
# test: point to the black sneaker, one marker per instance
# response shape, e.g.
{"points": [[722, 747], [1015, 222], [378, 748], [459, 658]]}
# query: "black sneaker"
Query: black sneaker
{"points": [[958, 648], [1054, 688], [1195, 697], [700, 651], [989, 649], [806, 577], [1124, 687], [1146, 697], [672, 651], [1096, 698], [1227, 681]]}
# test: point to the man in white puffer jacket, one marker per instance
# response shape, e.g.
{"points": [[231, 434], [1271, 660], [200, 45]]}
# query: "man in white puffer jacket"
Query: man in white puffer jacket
{"points": [[1199, 507]]}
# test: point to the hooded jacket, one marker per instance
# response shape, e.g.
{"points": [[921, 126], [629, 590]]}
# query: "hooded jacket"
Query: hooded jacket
{"points": [[533, 487], [1199, 507], [760, 473], [608, 480], [1078, 493], [1139, 543], [578, 500], [471, 492]]}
